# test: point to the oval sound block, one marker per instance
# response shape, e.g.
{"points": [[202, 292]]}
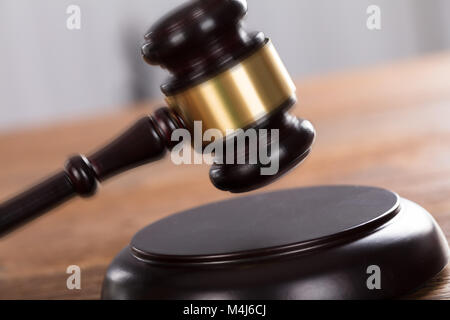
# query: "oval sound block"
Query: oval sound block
{"points": [[330, 242]]}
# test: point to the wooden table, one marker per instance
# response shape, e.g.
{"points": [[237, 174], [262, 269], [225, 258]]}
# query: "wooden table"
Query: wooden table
{"points": [[387, 126]]}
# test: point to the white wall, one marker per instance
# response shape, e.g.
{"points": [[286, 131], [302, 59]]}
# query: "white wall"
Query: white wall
{"points": [[48, 73]]}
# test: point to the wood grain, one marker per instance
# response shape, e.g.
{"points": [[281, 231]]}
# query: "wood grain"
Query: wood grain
{"points": [[387, 126]]}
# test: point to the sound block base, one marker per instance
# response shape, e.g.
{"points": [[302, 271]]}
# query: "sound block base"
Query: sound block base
{"points": [[329, 242]]}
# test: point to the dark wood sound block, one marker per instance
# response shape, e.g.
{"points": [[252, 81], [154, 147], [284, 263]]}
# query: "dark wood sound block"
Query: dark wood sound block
{"points": [[330, 242]]}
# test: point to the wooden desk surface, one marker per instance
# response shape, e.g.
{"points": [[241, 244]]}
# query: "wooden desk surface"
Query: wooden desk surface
{"points": [[387, 126]]}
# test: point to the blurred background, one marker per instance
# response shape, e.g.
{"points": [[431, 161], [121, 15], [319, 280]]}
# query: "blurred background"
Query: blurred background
{"points": [[49, 73]]}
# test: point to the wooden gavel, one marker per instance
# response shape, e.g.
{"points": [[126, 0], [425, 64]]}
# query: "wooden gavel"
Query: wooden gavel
{"points": [[222, 75]]}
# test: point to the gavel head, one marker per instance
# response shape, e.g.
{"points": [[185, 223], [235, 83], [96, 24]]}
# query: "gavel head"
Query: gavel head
{"points": [[233, 82]]}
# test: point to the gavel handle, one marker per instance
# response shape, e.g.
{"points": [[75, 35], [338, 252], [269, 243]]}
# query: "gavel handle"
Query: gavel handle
{"points": [[144, 142], [35, 201]]}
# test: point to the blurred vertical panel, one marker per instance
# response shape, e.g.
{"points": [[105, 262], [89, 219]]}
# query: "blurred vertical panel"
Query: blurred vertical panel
{"points": [[324, 35], [48, 72], [432, 25]]}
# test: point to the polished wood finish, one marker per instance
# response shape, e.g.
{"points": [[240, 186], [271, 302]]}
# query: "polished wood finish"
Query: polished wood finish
{"points": [[199, 39], [143, 142], [294, 140], [302, 243], [386, 126]]}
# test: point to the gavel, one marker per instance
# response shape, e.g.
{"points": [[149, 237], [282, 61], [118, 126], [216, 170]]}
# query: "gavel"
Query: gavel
{"points": [[220, 74]]}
